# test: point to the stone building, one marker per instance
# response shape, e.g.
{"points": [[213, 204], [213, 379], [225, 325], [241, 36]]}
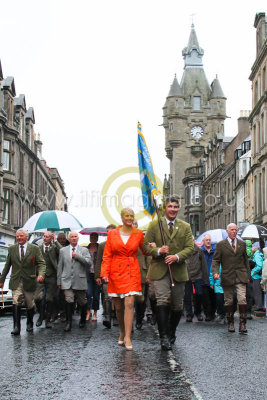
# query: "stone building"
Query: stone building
{"points": [[257, 182], [26, 184], [193, 114]]}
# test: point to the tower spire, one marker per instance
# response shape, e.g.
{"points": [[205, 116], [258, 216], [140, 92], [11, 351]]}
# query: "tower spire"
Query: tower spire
{"points": [[193, 52]]}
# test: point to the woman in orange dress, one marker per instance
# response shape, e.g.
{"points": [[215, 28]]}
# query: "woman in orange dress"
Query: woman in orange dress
{"points": [[120, 269]]}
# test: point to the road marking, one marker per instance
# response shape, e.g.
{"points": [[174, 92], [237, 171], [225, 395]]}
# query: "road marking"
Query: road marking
{"points": [[177, 369]]}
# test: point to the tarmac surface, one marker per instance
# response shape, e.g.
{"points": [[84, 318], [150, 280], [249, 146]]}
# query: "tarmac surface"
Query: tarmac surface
{"points": [[206, 363]]}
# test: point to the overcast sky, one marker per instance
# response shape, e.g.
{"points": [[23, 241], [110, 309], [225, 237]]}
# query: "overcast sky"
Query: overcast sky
{"points": [[92, 69]]}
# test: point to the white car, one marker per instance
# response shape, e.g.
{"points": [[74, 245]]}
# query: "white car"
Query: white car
{"points": [[5, 293]]}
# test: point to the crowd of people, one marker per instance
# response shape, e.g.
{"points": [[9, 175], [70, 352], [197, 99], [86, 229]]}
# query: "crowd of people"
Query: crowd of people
{"points": [[161, 273]]}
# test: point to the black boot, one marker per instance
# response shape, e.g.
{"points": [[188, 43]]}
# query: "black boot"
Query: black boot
{"points": [[153, 305], [83, 316], [16, 320], [139, 314], [40, 309], [68, 316], [163, 324], [49, 308], [29, 326], [107, 316], [114, 318], [175, 317]]}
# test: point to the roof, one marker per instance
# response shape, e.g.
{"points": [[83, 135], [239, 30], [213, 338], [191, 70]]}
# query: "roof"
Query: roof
{"points": [[216, 90], [175, 90]]}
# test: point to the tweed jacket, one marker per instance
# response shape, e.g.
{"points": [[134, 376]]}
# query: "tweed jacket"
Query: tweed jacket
{"points": [[235, 266], [53, 255], [180, 242], [99, 259], [28, 270], [144, 262], [71, 273]]}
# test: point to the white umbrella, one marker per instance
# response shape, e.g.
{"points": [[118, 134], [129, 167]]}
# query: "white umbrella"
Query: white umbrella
{"points": [[52, 220], [254, 232]]}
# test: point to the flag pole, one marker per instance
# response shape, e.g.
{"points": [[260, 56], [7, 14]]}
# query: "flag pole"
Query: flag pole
{"points": [[163, 238]]}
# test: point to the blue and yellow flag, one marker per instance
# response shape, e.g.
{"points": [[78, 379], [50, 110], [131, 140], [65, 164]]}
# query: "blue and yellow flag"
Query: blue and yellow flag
{"points": [[147, 177]]}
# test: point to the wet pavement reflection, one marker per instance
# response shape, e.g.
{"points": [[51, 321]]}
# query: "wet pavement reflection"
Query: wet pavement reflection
{"points": [[206, 363]]}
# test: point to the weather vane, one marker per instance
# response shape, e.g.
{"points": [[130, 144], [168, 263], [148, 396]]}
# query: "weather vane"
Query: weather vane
{"points": [[192, 16]]}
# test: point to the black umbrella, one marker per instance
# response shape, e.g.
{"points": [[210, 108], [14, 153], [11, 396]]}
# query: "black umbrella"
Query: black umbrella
{"points": [[253, 231], [101, 231]]}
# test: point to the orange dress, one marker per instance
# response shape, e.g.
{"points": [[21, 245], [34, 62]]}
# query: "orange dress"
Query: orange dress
{"points": [[120, 262]]}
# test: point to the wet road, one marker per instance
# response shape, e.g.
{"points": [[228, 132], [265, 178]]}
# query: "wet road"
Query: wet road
{"points": [[206, 363]]}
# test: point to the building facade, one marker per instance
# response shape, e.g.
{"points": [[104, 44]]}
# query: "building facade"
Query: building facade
{"points": [[26, 184], [257, 211]]}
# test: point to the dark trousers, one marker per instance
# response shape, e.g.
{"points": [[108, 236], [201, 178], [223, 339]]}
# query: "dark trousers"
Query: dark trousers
{"points": [[93, 293], [257, 293], [249, 296], [209, 301], [197, 297], [220, 304]]}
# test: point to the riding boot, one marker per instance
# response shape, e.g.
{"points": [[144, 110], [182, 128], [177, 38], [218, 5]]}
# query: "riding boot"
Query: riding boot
{"points": [[49, 307], [40, 309], [83, 316], [153, 305], [69, 307], [163, 324], [114, 318], [175, 317], [107, 315], [29, 326], [242, 318], [16, 320], [230, 318], [139, 314]]}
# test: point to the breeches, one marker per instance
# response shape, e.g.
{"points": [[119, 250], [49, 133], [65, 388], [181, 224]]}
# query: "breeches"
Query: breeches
{"points": [[141, 299], [80, 296], [167, 295], [240, 294], [20, 294], [50, 286]]}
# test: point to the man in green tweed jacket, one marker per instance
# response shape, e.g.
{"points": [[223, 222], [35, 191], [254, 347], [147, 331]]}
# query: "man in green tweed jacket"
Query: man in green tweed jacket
{"points": [[28, 268], [179, 246]]}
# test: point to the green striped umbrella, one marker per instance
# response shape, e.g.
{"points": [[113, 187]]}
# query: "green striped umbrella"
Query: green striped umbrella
{"points": [[52, 220]]}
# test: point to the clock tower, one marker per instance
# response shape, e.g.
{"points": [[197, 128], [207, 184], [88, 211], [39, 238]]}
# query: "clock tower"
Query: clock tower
{"points": [[193, 114]]}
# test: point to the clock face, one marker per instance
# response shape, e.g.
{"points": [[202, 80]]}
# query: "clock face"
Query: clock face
{"points": [[197, 132]]}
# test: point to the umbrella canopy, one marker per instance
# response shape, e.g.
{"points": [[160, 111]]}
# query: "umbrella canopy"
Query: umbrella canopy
{"points": [[253, 232], [101, 231], [216, 235], [52, 220]]}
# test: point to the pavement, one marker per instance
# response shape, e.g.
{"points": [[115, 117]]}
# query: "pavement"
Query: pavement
{"points": [[206, 363]]}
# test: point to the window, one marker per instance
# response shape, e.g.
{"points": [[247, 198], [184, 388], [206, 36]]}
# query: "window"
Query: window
{"points": [[196, 104], [31, 175], [191, 194], [6, 206], [21, 167], [7, 155], [171, 126], [176, 104], [196, 194]]}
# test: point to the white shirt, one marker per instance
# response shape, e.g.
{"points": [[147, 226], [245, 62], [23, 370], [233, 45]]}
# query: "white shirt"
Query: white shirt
{"points": [[44, 246], [73, 247], [230, 241], [173, 222], [24, 248]]}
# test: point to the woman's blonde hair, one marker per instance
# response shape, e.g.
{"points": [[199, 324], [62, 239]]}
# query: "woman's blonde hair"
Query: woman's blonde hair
{"points": [[125, 210]]}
